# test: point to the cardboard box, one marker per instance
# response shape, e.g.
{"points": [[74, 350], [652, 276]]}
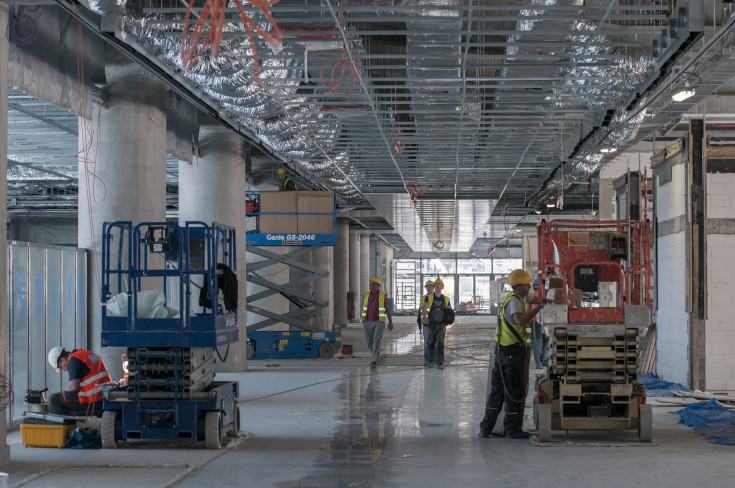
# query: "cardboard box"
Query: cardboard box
{"points": [[315, 202], [36, 435], [555, 282], [284, 206], [577, 298], [555, 295]]}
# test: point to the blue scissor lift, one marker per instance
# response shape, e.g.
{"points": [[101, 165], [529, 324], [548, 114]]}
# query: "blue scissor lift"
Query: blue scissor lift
{"points": [[161, 301], [301, 341]]}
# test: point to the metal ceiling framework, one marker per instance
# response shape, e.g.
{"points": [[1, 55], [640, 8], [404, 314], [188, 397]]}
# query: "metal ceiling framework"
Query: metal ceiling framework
{"points": [[447, 117]]}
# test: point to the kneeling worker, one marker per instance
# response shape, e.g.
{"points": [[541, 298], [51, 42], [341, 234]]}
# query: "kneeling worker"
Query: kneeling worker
{"points": [[87, 374]]}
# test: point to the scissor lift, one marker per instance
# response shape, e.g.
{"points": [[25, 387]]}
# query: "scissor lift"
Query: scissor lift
{"points": [[590, 382], [171, 392], [302, 341]]}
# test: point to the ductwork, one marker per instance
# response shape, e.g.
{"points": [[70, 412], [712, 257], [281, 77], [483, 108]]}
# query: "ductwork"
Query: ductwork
{"points": [[229, 80]]}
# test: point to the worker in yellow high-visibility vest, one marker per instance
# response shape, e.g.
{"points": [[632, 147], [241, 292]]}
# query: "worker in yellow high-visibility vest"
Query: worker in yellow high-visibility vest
{"points": [[375, 309], [510, 338]]}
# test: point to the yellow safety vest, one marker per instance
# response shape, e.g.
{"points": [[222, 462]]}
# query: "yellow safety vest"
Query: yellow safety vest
{"points": [[503, 334], [381, 307]]}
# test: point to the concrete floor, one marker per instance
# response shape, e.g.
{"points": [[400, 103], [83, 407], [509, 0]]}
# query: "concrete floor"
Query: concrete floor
{"points": [[336, 423]]}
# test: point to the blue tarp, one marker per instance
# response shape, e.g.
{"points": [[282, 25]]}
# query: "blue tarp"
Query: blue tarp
{"points": [[656, 387], [711, 419]]}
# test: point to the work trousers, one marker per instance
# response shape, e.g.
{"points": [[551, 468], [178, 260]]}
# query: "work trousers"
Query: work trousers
{"points": [[67, 403], [373, 330], [507, 387], [434, 335]]}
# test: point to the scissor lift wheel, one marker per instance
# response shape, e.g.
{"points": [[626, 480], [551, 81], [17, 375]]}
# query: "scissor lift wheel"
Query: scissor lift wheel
{"points": [[543, 411], [235, 430], [645, 427], [213, 430], [109, 428], [326, 350]]}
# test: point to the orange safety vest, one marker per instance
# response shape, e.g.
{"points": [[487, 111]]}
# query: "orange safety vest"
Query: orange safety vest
{"points": [[90, 387]]}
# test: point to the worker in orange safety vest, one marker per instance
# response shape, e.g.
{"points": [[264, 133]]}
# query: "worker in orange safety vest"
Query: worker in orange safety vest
{"points": [[87, 375]]}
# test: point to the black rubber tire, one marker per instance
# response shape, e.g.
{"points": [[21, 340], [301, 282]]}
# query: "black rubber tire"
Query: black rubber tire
{"points": [[213, 430], [250, 350], [327, 350], [235, 430], [109, 428]]}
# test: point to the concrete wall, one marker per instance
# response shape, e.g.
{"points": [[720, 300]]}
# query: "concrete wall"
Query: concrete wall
{"points": [[720, 328], [672, 270]]}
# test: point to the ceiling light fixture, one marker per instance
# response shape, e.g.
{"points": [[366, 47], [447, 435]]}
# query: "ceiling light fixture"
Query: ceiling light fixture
{"points": [[608, 150], [537, 211], [682, 95], [551, 205]]}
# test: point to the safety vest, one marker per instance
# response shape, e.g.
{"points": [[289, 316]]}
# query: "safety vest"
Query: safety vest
{"points": [[431, 300], [90, 386], [288, 185], [381, 307], [503, 334]]}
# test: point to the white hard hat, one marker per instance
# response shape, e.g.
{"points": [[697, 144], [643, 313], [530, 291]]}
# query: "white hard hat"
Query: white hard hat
{"points": [[53, 356]]}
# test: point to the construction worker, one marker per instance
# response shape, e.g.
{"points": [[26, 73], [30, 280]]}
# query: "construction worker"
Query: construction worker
{"points": [[87, 374], [510, 356], [287, 184], [429, 286], [375, 309], [539, 339], [435, 329]]}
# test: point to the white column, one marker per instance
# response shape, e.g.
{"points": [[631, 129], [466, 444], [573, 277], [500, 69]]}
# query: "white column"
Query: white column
{"points": [[364, 270], [212, 189], [4, 448], [355, 281], [122, 176]]}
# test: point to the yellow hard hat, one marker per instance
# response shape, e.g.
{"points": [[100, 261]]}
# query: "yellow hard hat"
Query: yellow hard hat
{"points": [[429, 283], [519, 277], [438, 281], [281, 171], [377, 280]]}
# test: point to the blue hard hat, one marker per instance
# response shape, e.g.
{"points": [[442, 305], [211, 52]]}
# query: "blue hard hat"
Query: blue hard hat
{"points": [[535, 283]]}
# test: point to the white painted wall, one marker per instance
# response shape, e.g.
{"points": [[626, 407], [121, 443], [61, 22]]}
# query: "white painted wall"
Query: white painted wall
{"points": [[719, 326], [672, 316]]}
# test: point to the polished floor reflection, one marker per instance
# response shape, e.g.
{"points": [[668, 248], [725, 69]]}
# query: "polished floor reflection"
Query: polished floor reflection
{"points": [[337, 423]]}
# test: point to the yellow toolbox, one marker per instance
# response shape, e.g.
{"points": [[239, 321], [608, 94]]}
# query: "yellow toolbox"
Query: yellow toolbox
{"points": [[38, 435]]}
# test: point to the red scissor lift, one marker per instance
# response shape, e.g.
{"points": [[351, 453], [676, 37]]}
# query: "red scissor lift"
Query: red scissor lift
{"points": [[603, 305]]}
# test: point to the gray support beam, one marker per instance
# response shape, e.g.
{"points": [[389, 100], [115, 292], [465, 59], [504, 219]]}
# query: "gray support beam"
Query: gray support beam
{"points": [[213, 189], [341, 271]]}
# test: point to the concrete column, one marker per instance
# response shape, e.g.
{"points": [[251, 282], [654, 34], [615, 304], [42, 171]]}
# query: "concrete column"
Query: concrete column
{"points": [[295, 274], [374, 253], [388, 269], [341, 271], [355, 281], [212, 189], [122, 175], [4, 448], [323, 258], [364, 269]]}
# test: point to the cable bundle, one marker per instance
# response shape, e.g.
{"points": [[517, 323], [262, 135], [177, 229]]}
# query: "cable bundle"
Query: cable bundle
{"points": [[15, 26], [6, 392], [215, 10]]}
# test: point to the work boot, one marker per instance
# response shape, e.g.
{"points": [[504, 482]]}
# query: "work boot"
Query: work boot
{"points": [[440, 366], [373, 365], [484, 434], [427, 364], [517, 435]]}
